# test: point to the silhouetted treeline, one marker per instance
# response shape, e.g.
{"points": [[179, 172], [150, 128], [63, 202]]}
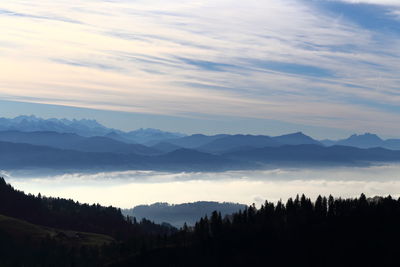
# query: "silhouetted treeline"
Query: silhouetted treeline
{"points": [[68, 214], [327, 232]]}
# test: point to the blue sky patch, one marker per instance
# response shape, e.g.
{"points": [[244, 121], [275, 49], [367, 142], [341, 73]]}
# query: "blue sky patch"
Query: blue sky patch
{"points": [[372, 17]]}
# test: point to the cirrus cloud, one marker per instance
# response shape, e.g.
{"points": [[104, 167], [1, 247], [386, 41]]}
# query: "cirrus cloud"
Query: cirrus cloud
{"points": [[282, 59]]}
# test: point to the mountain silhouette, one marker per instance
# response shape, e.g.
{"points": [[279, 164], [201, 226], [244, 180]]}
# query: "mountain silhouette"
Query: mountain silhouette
{"points": [[195, 140], [32, 123], [234, 142], [150, 136], [315, 154], [366, 140], [296, 139], [16, 156], [84, 127], [75, 142], [165, 147]]}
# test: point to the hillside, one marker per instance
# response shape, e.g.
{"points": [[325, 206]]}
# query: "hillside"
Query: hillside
{"points": [[41, 231], [70, 215], [19, 230]]}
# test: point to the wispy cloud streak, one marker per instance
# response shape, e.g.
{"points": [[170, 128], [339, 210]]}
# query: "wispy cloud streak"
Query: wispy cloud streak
{"points": [[286, 60]]}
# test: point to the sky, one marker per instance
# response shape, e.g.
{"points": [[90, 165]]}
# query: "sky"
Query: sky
{"points": [[327, 68]]}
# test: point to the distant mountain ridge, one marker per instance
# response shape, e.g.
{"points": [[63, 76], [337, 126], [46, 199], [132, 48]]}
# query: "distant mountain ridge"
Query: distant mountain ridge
{"points": [[168, 141], [366, 140], [234, 142], [226, 142], [32, 124], [17, 156], [28, 142], [83, 127], [73, 141], [298, 138], [179, 214]]}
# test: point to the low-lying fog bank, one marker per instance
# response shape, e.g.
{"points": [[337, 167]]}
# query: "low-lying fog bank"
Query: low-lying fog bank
{"points": [[130, 188]]}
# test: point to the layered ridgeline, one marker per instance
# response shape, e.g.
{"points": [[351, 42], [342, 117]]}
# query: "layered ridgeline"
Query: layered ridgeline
{"points": [[40, 231], [84, 127], [31, 143], [179, 214]]}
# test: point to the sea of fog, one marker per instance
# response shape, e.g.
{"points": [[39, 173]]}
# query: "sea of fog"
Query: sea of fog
{"points": [[130, 188]]}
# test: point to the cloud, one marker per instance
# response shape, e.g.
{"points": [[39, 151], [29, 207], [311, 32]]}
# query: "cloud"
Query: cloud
{"points": [[396, 13], [5, 12], [86, 64], [287, 67], [300, 63], [127, 189]]}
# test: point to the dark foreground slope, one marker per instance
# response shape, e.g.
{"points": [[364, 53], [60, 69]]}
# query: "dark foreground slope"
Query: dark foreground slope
{"points": [[71, 215], [20, 229], [26, 244], [328, 232], [41, 231]]}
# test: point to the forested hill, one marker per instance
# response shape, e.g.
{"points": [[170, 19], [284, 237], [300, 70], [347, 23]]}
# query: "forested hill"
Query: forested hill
{"points": [[327, 232], [42, 231], [71, 215]]}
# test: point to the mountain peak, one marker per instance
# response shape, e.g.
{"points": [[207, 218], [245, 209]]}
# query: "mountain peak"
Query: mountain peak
{"points": [[31, 123], [147, 130], [366, 140], [365, 136], [296, 138], [297, 134], [30, 118]]}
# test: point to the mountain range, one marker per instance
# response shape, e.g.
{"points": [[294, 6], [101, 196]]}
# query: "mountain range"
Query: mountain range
{"points": [[366, 140], [84, 127], [28, 142], [73, 141]]}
